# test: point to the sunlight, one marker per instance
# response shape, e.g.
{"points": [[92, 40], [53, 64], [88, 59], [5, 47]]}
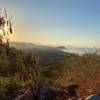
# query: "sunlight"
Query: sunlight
{"points": [[1, 32]]}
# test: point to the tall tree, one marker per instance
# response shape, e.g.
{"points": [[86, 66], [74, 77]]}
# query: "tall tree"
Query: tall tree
{"points": [[5, 27]]}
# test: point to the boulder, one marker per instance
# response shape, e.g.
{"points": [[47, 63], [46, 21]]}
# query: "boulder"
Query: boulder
{"points": [[93, 97]]}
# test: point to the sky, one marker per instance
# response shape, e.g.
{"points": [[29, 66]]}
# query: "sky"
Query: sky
{"points": [[55, 22]]}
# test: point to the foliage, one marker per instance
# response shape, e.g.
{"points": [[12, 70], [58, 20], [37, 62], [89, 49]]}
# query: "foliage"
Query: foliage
{"points": [[5, 67], [2, 93], [12, 87], [5, 27], [19, 69]]}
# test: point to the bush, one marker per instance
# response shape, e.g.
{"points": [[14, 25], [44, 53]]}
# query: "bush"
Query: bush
{"points": [[5, 67], [2, 93], [12, 87]]}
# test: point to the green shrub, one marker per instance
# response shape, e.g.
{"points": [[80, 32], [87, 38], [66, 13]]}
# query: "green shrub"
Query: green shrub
{"points": [[2, 93], [12, 87], [5, 67]]}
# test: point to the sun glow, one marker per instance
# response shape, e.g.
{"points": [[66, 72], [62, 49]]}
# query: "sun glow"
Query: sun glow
{"points": [[1, 32]]}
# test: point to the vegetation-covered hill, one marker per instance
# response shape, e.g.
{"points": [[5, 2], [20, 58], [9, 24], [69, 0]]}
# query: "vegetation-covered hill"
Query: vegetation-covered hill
{"points": [[23, 76], [48, 55]]}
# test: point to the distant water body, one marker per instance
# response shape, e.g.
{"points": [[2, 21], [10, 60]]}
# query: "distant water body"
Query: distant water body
{"points": [[81, 51]]}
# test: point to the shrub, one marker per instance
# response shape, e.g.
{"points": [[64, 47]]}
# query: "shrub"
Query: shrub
{"points": [[5, 67], [12, 87], [2, 93]]}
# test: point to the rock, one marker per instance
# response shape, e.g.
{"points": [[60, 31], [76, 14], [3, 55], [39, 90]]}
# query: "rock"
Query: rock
{"points": [[93, 97]]}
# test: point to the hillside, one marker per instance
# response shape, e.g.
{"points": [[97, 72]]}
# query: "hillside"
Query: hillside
{"points": [[23, 75], [48, 55]]}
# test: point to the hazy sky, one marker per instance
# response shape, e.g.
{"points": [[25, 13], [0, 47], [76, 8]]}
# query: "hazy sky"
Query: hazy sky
{"points": [[57, 22]]}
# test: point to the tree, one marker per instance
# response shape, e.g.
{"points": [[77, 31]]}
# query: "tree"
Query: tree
{"points": [[5, 27]]}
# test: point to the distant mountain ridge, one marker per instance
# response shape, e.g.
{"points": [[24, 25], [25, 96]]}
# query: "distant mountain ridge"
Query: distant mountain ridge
{"points": [[47, 54], [25, 45], [68, 49], [50, 54]]}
